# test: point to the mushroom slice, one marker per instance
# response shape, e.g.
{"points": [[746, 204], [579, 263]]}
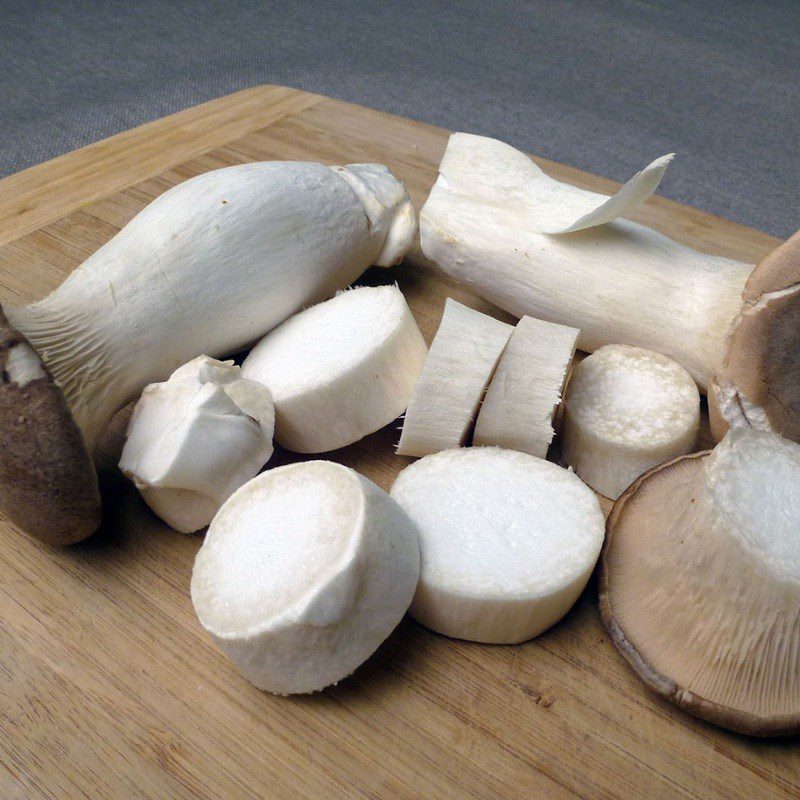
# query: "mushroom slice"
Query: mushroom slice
{"points": [[627, 409], [526, 389], [305, 570], [48, 481], [700, 582], [459, 366], [340, 370], [507, 541]]}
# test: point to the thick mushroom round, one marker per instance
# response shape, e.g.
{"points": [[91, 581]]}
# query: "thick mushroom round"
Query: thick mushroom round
{"points": [[700, 582], [48, 482], [758, 385]]}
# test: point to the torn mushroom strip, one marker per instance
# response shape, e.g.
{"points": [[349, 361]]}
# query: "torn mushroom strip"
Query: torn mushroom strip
{"points": [[459, 366]]}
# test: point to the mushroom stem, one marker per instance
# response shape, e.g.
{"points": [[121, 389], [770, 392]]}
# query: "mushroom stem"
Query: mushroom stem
{"points": [[209, 267], [619, 282]]}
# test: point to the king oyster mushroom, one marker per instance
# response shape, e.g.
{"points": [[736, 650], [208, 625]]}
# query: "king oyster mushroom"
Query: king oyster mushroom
{"points": [[700, 582], [533, 245], [207, 268]]}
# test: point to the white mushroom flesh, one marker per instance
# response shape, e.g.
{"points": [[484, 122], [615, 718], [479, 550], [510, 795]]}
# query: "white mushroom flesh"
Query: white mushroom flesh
{"points": [[521, 401], [459, 366], [507, 541], [341, 369], [303, 573], [627, 410], [196, 438]]}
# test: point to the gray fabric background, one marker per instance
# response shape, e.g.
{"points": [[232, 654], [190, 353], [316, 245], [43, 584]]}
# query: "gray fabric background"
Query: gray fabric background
{"points": [[605, 86]]}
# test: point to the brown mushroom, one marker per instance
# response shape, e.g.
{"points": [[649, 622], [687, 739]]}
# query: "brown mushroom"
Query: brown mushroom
{"points": [[700, 582], [758, 384], [47, 478]]}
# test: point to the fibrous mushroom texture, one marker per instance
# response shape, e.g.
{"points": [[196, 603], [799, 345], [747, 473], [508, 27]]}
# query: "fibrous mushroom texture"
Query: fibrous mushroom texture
{"points": [[341, 369], [208, 267], [525, 392], [496, 222], [196, 438], [700, 585], [507, 541], [304, 571], [626, 410], [459, 366]]}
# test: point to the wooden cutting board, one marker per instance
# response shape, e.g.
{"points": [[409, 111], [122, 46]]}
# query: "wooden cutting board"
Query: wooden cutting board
{"points": [[110, 688]]}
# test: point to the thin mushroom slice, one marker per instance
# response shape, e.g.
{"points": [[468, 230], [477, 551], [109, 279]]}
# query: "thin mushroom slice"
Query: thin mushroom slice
{"points": [[305, 570], [527, 387], [453, 381], [48, 482], [700, 582]]}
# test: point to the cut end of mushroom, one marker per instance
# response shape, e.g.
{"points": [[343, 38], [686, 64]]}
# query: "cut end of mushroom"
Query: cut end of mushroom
{"points": [[627, 409], [700, 582], [305, 570], [758, 385], [507, 541], [48, 482]]}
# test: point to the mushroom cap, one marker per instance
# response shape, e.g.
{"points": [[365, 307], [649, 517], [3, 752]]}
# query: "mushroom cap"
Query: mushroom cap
{"points": [[48, 482], [701, 595], [760, 374]]}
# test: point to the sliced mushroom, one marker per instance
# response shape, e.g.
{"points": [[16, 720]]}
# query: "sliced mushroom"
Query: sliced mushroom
{"points": [[700, 582]]}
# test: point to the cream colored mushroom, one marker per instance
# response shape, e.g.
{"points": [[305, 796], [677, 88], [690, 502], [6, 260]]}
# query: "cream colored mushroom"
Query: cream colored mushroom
{"points": [[196, 438], [208, 267], [304, 571], [340, 370], [700, 582], [524, 395], [448, 394], [496, 222], [507, 541], [627, 410]]}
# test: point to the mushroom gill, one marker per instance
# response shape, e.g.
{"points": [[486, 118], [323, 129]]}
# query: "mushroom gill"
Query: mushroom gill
{"points": [[700, 582]]}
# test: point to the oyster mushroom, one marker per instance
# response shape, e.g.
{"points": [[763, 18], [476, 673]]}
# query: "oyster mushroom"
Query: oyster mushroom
{"points": [[700, 582], [208, 267], [495, 222]]}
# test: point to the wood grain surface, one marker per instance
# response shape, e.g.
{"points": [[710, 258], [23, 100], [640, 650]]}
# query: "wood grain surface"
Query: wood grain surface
{"points": [[110, 688]]}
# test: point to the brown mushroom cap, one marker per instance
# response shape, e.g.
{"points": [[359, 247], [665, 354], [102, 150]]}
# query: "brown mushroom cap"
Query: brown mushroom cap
{"points": [[702, 621], [48, 482], [762, 363]]}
